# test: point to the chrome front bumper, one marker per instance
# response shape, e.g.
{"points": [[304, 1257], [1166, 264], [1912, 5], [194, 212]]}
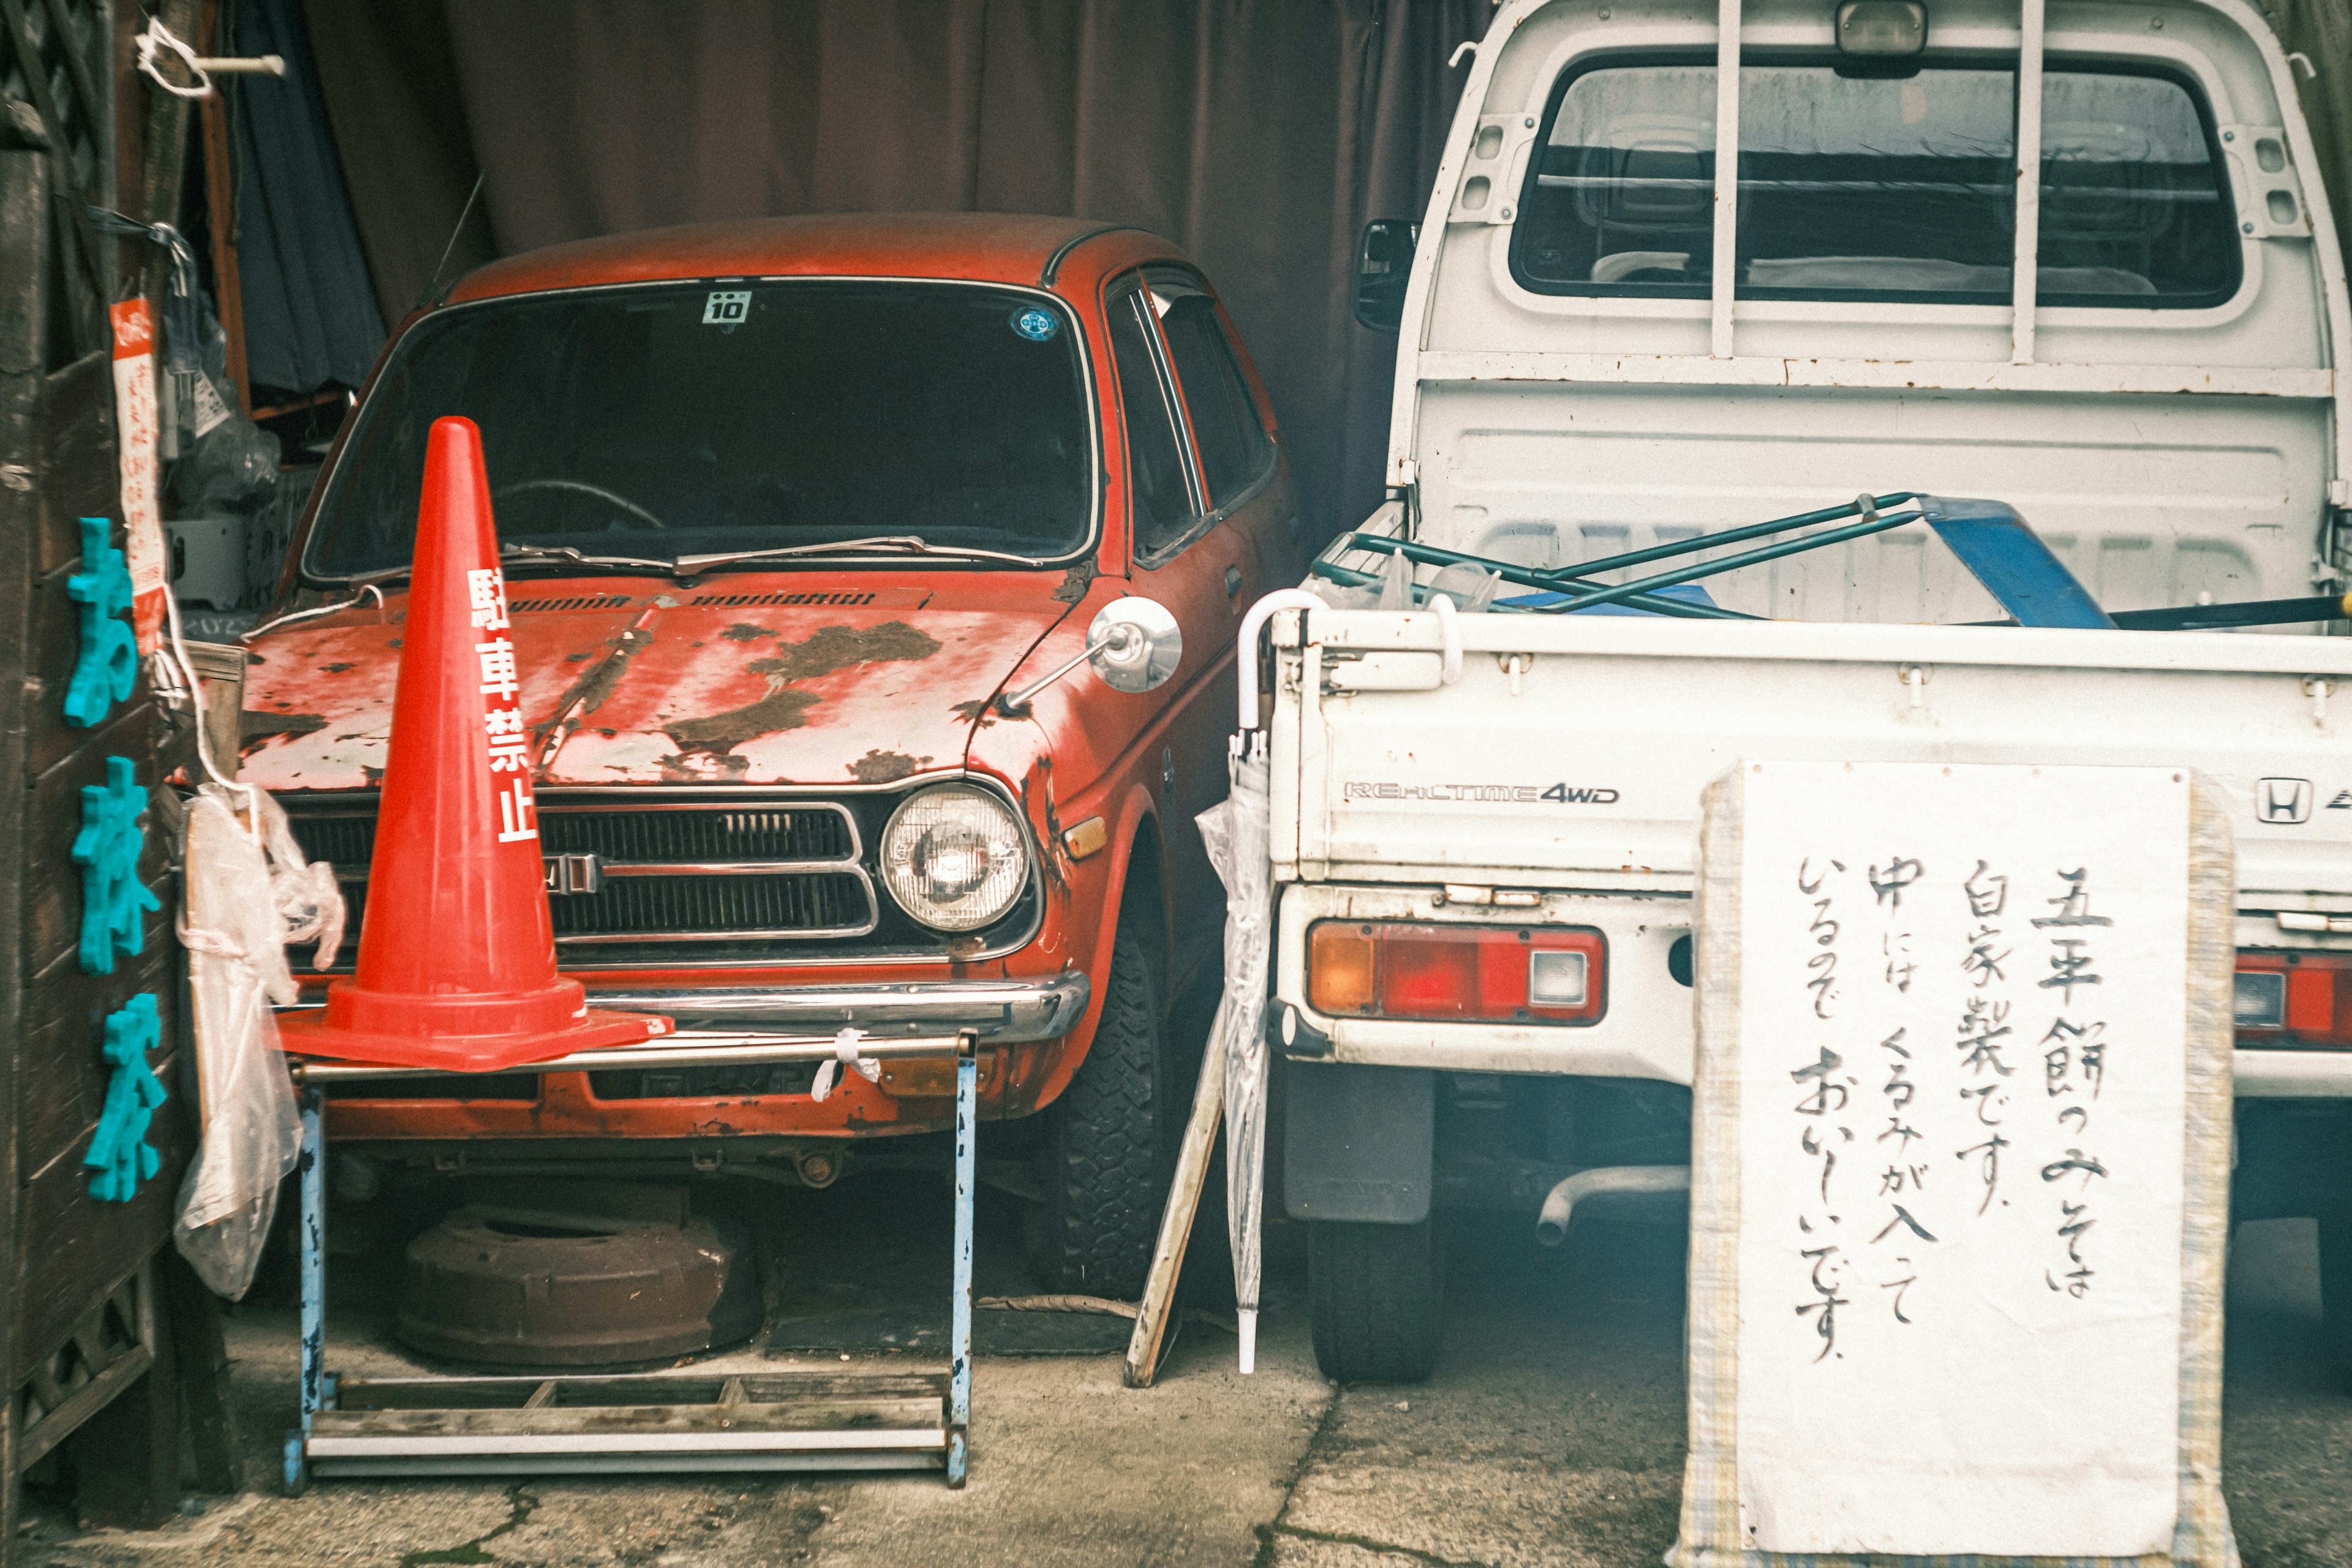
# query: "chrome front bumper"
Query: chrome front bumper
{"points": [[718, 1028]]}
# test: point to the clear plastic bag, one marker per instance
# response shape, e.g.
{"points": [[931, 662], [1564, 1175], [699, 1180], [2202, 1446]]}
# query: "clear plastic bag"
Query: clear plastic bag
{"points": [[245, 895], [1235, 836], [1472, 588]]}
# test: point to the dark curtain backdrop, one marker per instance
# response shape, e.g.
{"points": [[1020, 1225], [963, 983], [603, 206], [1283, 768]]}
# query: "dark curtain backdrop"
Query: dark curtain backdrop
{"points": [[1259, 134]]}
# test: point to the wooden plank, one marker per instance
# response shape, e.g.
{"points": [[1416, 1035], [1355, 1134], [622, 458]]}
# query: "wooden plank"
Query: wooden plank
{"points": [[73, 1243], [52, 882], [75, 460], [72, 1409], [646, 1389], [875, 1415], [55, 649], [63, 1074]]}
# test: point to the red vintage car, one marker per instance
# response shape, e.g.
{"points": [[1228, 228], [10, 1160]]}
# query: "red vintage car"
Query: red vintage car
{"points": [[794, 514]]}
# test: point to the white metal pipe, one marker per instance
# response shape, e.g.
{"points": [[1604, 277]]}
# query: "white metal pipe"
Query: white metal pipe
{"points": [[1727, 179], [2025, 267], [1551, 1220], [1253, 623]]}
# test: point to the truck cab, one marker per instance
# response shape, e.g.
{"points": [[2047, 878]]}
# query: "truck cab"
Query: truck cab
{"points": [[810, 527], [1683, 269]]}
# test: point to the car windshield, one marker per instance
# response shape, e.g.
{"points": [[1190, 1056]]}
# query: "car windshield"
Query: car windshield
{"points": [[1879, 187], [656, 422]]}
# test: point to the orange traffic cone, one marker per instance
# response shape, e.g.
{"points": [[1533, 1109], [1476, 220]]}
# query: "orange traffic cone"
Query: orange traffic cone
{"points": [[457, 965]]}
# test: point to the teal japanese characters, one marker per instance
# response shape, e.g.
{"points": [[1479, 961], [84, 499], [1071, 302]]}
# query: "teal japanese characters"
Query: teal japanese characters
{"points": [[108, 662], [113, 900], [118, 1151]]}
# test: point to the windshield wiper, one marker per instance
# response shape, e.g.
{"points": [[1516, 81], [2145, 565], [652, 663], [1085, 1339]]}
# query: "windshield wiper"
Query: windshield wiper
{"points": [[911, 544], [532, 555]]}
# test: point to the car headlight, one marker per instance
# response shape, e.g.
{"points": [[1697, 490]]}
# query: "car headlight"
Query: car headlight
{"points": [[952, 857]]}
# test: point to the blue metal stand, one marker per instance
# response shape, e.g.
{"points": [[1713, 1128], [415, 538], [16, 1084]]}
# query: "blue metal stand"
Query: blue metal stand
{"points": [[311, 1232], [959, 1312], [674, 1421]]}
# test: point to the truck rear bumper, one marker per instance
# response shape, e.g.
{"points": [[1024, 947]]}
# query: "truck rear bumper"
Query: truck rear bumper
{"points": [[1646, 1030], [2294, 1075]]}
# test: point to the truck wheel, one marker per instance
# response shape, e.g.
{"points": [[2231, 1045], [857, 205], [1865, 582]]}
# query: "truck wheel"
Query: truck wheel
{"points": [[1373, 1292], [1110, 1143]]}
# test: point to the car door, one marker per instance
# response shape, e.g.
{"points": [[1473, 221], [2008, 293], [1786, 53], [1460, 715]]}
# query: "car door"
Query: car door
{"points": [[1231, 439], [1193, 558]]}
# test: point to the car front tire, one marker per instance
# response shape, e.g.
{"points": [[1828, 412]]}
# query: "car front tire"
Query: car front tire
{"points": [[1111, 1137]]}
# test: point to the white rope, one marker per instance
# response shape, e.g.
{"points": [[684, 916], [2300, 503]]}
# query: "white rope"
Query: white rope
{"points": [[158, 38], [845, 1054]]}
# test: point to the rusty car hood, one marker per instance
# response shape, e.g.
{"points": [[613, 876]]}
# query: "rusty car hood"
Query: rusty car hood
{"points": [[730, 683]]}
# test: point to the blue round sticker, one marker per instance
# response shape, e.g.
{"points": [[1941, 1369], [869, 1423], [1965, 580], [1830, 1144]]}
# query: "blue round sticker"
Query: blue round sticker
{"points": [[1037, 323]]}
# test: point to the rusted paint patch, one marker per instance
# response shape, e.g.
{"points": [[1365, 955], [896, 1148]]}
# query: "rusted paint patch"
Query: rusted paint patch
{"points": [[253, 726], [976, 711], [703, 767], [877, 766], [1074, 581], [744, 631], [785, 707], [588, 693], [781, 708], [336, 669]]}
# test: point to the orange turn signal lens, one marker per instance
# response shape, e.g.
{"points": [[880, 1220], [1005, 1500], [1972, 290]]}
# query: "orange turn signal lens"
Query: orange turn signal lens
{"points": [[1394, 969]]}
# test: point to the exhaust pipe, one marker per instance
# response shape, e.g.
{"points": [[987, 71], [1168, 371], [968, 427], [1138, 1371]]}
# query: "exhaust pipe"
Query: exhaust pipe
{"points": [[1551, 1220]]}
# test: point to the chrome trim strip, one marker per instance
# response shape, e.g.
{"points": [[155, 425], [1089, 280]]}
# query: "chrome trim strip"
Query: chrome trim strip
{"points": [[680, 1051], [728, 868], [1004, 1012], [907, 1017]]}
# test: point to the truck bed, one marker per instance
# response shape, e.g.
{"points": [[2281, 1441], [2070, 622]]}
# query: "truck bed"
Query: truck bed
{"points": [[1588, 775]]}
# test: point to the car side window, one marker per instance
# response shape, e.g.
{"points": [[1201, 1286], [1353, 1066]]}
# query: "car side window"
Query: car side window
{"points": [[1235, 450], [1163, 506]]}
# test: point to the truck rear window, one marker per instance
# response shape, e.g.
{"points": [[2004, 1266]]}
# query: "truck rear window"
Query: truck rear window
{"points": [[690, 418], [1878, 188]]}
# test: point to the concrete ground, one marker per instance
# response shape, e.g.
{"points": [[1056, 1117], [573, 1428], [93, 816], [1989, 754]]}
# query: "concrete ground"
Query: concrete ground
{"points": [[1552, 1434]]}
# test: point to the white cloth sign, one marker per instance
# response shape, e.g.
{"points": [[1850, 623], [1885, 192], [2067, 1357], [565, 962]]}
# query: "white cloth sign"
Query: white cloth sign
{"points": [[1961, 1072]]}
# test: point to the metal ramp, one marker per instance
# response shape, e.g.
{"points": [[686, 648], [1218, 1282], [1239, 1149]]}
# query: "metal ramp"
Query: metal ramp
{"points": [[645, 1422]]}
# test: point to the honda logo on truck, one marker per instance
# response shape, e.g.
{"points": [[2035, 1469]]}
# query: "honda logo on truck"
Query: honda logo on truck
{"points": [[2283, 801]]}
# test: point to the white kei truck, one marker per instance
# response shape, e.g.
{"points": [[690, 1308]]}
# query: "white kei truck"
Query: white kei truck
{"points": [[2072, 254]]}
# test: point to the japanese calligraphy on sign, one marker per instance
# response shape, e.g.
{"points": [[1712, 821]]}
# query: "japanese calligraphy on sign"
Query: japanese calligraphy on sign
{"points": [[1961, 1070]]}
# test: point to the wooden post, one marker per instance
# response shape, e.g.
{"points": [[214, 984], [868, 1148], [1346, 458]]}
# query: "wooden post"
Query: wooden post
{"points": [[23, 194], [220, 209], [1183, 1203]]}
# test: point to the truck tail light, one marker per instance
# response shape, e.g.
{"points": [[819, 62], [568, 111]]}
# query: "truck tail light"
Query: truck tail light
{"points": [[2294, 999], [1447, 974]]}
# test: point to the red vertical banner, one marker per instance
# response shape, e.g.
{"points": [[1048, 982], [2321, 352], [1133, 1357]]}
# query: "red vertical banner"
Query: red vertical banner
{"points": [[137, 429]]}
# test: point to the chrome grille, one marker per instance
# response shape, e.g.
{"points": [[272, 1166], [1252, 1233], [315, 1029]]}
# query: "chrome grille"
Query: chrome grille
{"points": [[709, 834], [712, 903], [682, 873]]}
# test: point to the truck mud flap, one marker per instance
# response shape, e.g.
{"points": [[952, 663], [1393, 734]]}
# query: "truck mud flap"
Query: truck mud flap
{"points": [[1357, 1143]]}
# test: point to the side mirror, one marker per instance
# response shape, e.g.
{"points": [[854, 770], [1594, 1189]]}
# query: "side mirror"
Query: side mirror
{"points": [[1134, 644], [1383, 264]]}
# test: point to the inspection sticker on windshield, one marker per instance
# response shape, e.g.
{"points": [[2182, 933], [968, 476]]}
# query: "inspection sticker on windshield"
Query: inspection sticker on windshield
{"points": [[726, 307]]}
